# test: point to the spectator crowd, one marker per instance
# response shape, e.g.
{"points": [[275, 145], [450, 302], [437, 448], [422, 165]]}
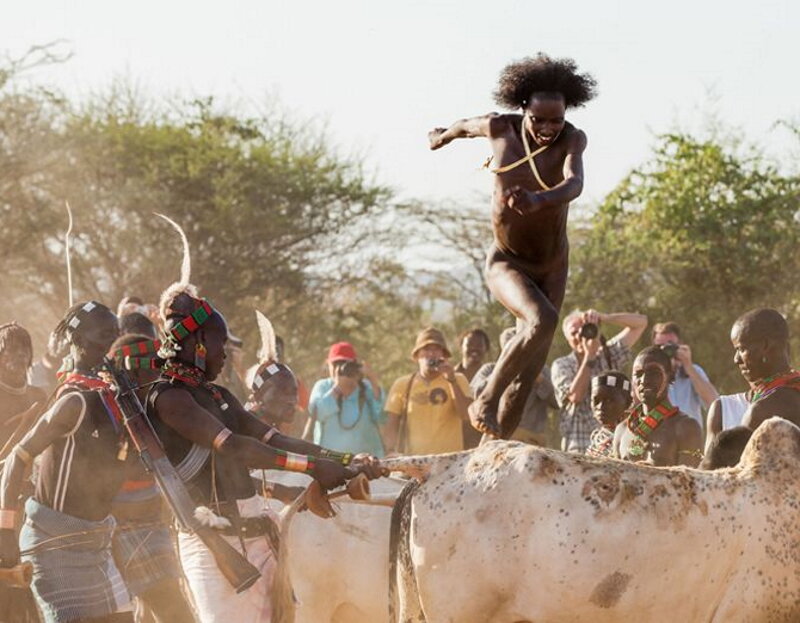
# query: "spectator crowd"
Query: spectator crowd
{"points": [[426, 410]]}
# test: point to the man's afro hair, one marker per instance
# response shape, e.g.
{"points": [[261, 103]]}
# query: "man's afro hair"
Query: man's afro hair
{"points": [[542, 74]]}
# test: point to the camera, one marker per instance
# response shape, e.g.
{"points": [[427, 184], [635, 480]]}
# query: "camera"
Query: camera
{"points": [[434, 364], [349, 368], [670, 348], [589, 331]]}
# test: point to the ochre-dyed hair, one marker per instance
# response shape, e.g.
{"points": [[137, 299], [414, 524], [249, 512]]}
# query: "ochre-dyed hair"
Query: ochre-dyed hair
{"points": [[13, 335], [541, 74]]}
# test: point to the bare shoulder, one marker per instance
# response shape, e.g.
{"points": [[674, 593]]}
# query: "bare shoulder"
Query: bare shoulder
{"points": [[575, 138], [63, 416], [69, 406], [174, 398], [784, 403], [501, 124]]}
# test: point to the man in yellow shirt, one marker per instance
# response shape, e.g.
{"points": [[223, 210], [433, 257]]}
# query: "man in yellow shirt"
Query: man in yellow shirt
{"points": [[426, 408]]}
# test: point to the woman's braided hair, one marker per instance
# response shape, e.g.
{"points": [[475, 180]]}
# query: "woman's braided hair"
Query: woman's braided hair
{"points": [[13, 335]]}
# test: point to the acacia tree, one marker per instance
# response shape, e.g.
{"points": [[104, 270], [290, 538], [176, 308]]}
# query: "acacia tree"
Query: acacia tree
{"points": [[258, 197]]}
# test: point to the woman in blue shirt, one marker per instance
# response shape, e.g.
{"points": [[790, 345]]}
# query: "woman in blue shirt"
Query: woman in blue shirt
{"points": [[347, 407]]}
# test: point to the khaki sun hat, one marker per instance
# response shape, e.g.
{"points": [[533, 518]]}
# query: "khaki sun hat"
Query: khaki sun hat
{"points": [[428, 337]]}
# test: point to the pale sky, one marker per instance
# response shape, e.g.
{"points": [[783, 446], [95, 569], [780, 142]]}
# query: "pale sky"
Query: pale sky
{"points": [[381, 74]]}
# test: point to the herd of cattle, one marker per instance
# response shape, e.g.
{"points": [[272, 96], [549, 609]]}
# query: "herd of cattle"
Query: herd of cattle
{"points": [[511, 533]]}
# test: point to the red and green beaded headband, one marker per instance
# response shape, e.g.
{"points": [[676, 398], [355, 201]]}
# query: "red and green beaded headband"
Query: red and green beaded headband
{"points": [[139, 356], [145, 347], [142, 363], [184, 328], [192, 322]]}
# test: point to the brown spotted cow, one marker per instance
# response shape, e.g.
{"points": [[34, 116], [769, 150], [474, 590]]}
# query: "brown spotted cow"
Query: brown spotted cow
{"points": [[511, 533]]}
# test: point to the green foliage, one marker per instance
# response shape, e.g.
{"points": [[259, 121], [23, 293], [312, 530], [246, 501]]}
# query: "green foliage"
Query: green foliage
{"points": [[699, 235], [276, 220]]}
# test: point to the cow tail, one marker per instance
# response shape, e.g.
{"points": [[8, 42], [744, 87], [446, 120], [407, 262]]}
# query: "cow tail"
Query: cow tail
{"points": [[284, 604], [400, 558]]}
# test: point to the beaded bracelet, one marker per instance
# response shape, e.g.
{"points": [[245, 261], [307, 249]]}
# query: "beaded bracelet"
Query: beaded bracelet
{"points": [[345, 458], [221, 438], [293, 462], [269, 434], [8, 519]]}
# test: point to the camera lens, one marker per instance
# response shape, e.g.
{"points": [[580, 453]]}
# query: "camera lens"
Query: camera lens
{"points": [[670, 349], [349, 369], [589, 331]]}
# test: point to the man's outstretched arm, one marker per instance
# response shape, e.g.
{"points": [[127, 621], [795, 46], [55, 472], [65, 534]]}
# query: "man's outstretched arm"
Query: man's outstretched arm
{"points": [[463, 128]]}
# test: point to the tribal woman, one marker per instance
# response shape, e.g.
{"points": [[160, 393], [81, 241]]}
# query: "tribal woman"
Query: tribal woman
{"points": [[84, 455], [539, 157]]}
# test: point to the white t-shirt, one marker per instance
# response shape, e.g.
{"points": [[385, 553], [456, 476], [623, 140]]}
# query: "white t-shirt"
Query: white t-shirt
{"points": [[733, 409]]}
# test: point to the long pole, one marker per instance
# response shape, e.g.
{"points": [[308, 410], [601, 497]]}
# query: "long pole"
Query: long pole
{"points": [[67, 253]]}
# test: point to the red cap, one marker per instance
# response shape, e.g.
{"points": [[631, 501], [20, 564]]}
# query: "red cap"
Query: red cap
{"points": [[341, 350]]}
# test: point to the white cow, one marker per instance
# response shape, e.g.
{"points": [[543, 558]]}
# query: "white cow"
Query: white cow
{"points": [[510, 533], [338, 568]]}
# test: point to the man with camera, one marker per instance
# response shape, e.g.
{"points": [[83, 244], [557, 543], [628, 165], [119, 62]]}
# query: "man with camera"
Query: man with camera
{"points": [[346, 409], [591, 354], [691, 391], [426, 408]]}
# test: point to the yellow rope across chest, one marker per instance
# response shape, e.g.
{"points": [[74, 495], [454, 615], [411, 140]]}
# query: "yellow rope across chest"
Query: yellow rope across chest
{"points": [[529, 158]]}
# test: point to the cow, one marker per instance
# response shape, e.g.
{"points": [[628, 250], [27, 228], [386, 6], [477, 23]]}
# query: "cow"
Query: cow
{"points": [[337, 568], [511, 533]]}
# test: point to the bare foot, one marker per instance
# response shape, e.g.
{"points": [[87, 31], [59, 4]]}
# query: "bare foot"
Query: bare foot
{"points": [[484, 418]]}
